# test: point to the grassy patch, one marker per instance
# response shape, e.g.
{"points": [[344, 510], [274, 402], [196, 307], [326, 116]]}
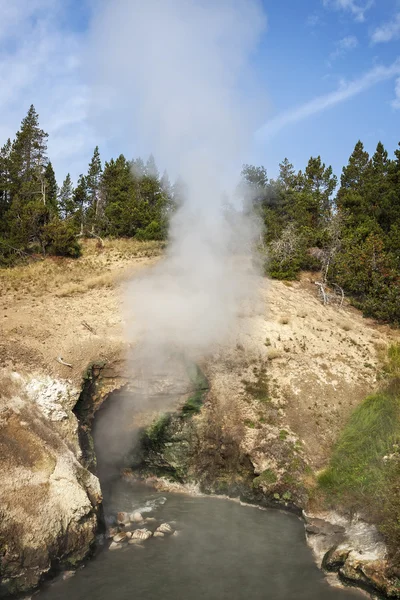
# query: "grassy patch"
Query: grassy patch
{"points": [[258, 388], [96, 268], [391, 366], [267, 477], [155, 434], [364, 471], [194, 403]]}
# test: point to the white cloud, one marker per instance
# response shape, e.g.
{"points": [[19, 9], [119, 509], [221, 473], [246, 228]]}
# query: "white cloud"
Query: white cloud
{"points": [[313, 20], [357, 8], [396, 101], [387, 31], [40, 65], [343, 46], [343, 93]]}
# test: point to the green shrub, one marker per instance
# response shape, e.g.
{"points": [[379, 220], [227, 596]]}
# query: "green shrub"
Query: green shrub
{"points": [[58, 238], [153, 231]]}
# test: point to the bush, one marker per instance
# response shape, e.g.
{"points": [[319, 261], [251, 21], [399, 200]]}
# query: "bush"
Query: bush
{"points": [[58, 238], [153, 231]]}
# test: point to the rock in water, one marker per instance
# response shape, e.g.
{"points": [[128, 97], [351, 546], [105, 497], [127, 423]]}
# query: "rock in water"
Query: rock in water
{"points": [[123, 518], [136, 517], [165, 528], [141, 534], [120, 537], [112, 531], [115, 546]]}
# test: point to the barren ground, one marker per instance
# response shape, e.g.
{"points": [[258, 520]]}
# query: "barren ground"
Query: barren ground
{"points": [[320, 360]]}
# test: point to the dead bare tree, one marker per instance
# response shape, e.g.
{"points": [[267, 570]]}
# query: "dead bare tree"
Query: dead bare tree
{"points": [[285, 248]]}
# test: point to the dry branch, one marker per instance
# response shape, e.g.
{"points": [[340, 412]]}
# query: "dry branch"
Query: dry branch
{"points": [[88, 327], [62, 362]]}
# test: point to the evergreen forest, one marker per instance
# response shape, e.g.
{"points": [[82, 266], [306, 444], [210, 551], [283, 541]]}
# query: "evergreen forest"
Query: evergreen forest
{"points": [[348, 229]]}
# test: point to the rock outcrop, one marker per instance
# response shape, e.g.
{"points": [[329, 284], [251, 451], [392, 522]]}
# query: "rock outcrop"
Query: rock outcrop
{"points": [[354, 550], [49, 503]]}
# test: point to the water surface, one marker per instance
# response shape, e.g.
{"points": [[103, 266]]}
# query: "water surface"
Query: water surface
{"points": [[224, 551]]}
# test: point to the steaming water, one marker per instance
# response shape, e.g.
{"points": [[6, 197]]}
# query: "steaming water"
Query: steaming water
{"points": [[224, 551]]}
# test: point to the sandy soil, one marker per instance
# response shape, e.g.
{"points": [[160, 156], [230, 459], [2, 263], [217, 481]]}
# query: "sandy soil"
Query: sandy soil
{"points": [[320, 360], [79, 322]]}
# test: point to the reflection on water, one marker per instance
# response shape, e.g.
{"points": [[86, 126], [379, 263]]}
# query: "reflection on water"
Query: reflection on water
{"points": [[224, 551]]}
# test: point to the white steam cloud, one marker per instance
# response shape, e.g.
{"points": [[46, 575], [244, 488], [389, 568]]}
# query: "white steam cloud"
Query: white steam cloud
{"points": [[172, 76]]}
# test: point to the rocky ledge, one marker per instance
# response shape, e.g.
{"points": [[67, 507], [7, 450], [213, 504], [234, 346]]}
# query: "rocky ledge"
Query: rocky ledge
{"points": [[50, 498], [353, 549]]}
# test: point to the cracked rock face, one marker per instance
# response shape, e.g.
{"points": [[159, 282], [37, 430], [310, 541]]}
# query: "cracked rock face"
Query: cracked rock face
{"points": [[48, 502]]}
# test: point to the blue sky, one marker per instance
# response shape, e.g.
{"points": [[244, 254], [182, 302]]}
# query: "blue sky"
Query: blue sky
{"points": [[329, 71]]}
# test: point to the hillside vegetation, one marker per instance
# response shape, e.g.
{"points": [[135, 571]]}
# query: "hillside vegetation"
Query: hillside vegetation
{"points": [[351, 232], [364, 470]]}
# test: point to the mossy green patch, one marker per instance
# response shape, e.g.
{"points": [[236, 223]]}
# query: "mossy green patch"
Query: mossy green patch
{"points": [[194, 403], [267, 477]]}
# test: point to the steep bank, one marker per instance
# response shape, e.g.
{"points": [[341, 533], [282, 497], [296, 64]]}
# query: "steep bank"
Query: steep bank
{"points": [[50, 311], [280, 391]]}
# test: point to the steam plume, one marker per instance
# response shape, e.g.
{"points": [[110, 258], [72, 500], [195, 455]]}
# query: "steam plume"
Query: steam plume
{"points": [[169, 77], [175, 68]]}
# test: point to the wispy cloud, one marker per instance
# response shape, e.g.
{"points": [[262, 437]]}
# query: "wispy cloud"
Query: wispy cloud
{"points": [[321, 103], [343, 46], [313, 20], [396, 101], [40, 64], [387, 31], [357, 8]]}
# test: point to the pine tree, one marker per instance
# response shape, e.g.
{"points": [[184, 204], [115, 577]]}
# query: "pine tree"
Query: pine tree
{"points": [[5, 196], [166, 184], [28, 159], [80, 202], [151, 168], [287, 176], [320, 182], [28, 212], [138, 168], [350, 197], [93, 179], [65, 200], [51, 190], [118, 189]]}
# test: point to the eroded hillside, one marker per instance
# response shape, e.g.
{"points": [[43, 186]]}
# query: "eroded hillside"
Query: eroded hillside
{"points": [[287, 378]]}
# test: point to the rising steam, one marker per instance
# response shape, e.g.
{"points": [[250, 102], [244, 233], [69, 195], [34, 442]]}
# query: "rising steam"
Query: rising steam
{"points": [[175, 70], [170, 76]]}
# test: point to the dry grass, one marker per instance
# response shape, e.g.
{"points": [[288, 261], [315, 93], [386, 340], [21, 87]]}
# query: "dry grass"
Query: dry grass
{"points": [[284, 320], [97, 267], [273, 354], [345, 325]]}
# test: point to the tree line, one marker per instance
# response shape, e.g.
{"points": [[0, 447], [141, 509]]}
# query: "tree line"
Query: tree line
{"points": [[122, 198], [350, 231]]}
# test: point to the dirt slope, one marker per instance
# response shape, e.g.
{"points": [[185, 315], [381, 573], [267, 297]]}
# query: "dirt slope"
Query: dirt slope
{"points": [[320, 360], [281, 388]]}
